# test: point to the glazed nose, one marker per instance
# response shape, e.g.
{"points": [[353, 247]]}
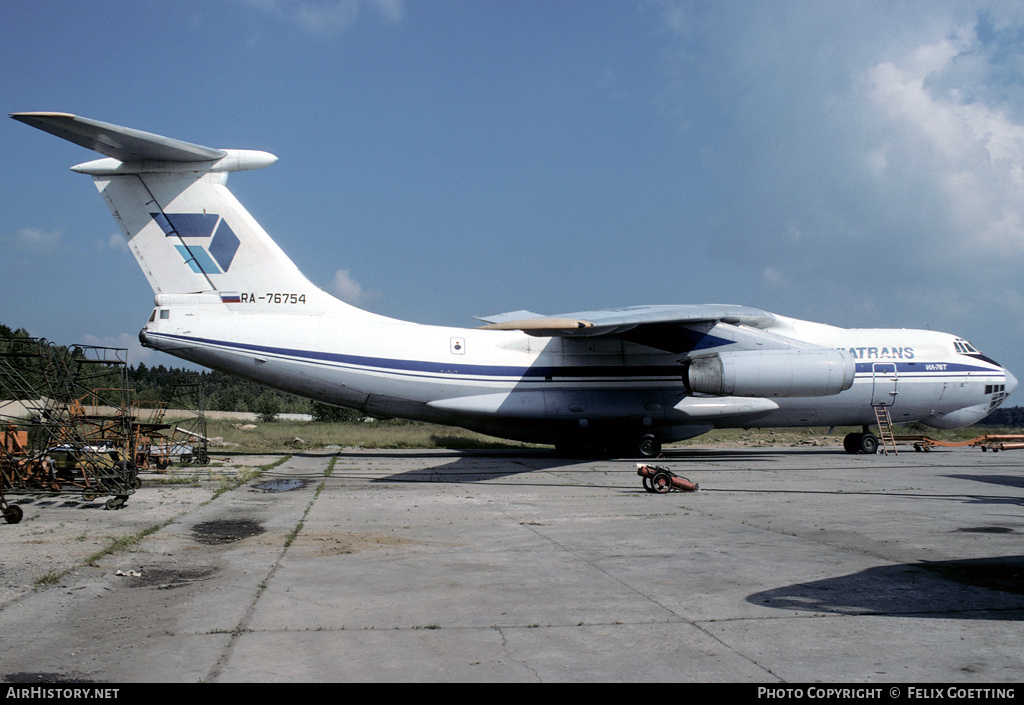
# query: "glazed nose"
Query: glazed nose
{"points": [[1011, 381]]}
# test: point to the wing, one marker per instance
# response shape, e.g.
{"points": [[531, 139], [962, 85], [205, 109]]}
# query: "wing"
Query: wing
{"points": [[617, 320], [662, 327], [122, 143]]}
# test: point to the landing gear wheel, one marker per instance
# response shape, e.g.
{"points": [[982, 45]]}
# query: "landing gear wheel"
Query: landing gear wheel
{"points": [[851, 442], [868, 443], [13, 514], [661, 483], [649, 446]]}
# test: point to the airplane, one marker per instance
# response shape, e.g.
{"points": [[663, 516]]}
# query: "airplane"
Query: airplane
{"points": [[622, 381]]}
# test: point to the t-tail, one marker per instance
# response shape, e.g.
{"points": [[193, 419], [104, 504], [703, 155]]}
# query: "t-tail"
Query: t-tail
{"points": [[193, 239]]}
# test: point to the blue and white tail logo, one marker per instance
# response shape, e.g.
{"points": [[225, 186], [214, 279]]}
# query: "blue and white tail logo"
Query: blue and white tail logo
{"points": [[208, 242], [171, 201]]}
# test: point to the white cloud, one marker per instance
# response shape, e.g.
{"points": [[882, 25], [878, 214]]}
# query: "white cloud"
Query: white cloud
{"points": [[773, 277], [37, 240], [946, 139], [854, 130], [329, 17], [392, 10], [326, 17], [114, 242], [348, 289]]}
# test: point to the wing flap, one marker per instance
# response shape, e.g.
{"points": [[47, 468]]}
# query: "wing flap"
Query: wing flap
{"points": [[548, 325]]}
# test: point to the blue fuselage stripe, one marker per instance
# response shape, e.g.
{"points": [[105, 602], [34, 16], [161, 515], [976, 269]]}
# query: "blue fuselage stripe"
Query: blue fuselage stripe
{"points": [[905, 368], [674, 372], [457, 370]]}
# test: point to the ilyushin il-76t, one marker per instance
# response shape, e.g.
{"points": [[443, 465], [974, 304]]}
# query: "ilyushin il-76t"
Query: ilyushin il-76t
{"points": [[623, 380]]}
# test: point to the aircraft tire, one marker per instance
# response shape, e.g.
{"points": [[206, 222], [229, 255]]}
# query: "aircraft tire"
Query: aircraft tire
{"points": [[649, 446], [851, 443], [868, 443]]}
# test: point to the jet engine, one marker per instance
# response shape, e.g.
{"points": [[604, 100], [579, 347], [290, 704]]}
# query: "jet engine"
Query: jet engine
{"points": [[773, 373]]}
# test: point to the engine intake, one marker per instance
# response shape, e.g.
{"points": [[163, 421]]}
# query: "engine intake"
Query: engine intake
{"points": [[773, 373]]}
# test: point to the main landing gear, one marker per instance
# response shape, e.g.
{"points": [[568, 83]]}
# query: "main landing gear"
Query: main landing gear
{"points": [[856, 443], [649, 446]]}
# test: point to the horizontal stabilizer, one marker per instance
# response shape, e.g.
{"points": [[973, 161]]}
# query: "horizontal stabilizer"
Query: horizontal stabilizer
{"points": [[122, 143]]}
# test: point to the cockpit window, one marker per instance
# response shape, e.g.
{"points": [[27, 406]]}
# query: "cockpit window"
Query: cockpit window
{"points": [[962, 346]]}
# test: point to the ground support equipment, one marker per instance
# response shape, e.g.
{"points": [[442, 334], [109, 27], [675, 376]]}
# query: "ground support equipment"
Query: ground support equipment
{"points": [[993, 442], [662, 480], [161, 441], [64, 422]]}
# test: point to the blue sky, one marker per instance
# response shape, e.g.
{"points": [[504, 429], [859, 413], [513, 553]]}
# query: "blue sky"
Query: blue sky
{"points": [[855, 163]]}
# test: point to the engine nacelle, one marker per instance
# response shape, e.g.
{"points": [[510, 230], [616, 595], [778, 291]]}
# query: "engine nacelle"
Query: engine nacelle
{"points": [[773, 373]]}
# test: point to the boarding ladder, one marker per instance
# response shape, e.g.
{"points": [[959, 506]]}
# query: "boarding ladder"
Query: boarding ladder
{"points": [[885, 434]]}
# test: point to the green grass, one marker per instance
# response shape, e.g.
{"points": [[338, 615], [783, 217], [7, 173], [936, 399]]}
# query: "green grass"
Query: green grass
{"points": [[281, 436], [299, 435], [117, 543]]}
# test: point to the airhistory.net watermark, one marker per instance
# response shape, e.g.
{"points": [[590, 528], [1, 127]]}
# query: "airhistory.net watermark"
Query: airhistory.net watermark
{"points": [[52, 693]]}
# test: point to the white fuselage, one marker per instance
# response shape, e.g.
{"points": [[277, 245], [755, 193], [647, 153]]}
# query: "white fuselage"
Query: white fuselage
{"points": [[540, 389]]}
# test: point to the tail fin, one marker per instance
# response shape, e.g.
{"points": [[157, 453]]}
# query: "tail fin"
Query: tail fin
{"points": [[188, 232]]}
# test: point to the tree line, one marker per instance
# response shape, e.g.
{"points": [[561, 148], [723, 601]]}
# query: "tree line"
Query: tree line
{"points": [[216, 391], [1010, 417], [31, 368]]}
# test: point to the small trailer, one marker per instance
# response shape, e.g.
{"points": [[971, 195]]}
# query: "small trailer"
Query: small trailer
{"points": [[662, 480], [993, 442]]}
